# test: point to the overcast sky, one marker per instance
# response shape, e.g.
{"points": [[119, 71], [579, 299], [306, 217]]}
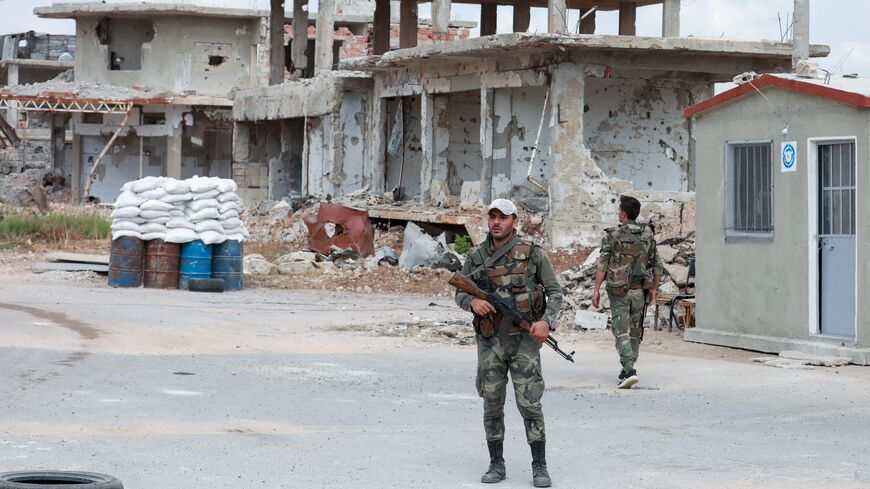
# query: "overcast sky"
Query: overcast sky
{"points": [[841, 24]]}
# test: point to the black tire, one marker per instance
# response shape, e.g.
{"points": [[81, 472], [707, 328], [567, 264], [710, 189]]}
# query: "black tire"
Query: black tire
{"points": [[203, 285], [54, 479]]}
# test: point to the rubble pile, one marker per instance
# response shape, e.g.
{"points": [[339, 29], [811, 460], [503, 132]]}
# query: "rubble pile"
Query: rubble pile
{"points": [[677, 254], [33, 188], [281, 220]]}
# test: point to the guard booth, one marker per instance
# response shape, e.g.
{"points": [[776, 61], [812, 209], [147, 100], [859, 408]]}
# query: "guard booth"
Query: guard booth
{"points": [[783, 194]]}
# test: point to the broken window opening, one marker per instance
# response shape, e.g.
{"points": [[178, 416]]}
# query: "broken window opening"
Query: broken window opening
{"points": [[125, 38], [92, 118], [153, 118], [216, 60]]}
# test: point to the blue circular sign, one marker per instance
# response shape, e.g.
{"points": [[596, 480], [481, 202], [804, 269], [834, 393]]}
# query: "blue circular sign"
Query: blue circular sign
{"points": [[789, 155]]}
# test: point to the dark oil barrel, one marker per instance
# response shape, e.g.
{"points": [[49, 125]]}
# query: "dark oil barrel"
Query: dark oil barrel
{"points": [[126, 262], [195, 262], [161, 264], [227, 264]]}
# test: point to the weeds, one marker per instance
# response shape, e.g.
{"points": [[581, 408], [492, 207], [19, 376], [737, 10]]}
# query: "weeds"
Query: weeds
{"points": [[53, 228], [461, 244]]}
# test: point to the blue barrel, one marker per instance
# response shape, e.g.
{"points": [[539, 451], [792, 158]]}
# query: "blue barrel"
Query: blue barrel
{"points": [[195, 262], [126, 262], [227, 263]]}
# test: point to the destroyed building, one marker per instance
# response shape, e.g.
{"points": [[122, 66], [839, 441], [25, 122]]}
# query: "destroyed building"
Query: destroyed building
{"points": [[29, 57], [560, 122]]}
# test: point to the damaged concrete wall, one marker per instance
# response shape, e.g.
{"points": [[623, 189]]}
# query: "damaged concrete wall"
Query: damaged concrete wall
{"points": [[212, 56], [464, 157], [34, 150], [635, 129], [121, 163], [354, 107], [404, 151]]}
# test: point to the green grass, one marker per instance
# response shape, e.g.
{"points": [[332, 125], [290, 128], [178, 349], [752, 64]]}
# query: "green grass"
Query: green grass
{"points": [[462, 244], [53, 227]]}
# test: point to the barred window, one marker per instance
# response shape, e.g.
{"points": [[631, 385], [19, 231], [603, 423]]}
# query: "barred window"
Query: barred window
{"points": [[749, 187]]}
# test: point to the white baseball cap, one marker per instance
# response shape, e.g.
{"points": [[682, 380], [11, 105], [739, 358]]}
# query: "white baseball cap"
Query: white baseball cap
{"points": [[504, 205]]}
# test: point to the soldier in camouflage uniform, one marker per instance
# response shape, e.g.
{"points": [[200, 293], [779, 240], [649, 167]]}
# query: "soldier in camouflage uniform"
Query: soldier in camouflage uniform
{"points": [[632, 266], [520, 272]]}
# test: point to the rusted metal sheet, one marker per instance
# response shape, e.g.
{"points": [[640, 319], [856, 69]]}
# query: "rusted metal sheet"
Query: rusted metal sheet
{"points": [[161, 264], [340, 226]]}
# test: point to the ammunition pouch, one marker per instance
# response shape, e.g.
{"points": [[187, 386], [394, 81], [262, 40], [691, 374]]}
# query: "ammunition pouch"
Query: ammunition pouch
{"points": [[486, 325]]}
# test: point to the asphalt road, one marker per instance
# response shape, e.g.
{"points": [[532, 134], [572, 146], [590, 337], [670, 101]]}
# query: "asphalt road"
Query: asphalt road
{"points": [[171, 389]]}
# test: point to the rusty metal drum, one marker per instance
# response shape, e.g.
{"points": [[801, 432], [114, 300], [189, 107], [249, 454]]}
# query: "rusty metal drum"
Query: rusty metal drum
{"points": [[161, 264], [126, 257]]}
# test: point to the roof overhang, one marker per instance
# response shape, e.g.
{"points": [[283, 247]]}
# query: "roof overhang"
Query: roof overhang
{"points": [[527, 43], [858, 100], [102, 9], [605, 5]]}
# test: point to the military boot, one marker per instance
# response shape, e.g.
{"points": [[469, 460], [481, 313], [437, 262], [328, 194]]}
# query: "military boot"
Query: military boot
{"points": [[627, 379], [496, 471], [540, 476]]}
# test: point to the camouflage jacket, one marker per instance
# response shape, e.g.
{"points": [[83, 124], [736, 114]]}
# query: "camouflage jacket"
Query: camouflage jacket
{"points": [[629, 256], [514, 271]]}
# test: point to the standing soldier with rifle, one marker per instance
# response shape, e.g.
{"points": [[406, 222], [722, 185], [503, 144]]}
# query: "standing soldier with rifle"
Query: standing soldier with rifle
{"points": [[521, 274], [632, 266]]}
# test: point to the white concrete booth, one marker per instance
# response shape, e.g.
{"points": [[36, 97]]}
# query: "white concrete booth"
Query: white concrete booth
{"points": [[783, 200]]}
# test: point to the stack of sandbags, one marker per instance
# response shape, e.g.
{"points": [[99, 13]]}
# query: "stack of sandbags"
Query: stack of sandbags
{"points": [[179, 211]]}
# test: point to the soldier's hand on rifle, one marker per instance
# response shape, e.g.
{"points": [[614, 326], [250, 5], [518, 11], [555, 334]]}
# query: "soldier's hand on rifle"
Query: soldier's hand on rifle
{"points": [[540, 330], [596, 298], [482, 307]]}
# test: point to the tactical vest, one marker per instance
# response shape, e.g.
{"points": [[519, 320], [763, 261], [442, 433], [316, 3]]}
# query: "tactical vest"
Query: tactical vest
{"points": [[628, 267], [513, 281]]}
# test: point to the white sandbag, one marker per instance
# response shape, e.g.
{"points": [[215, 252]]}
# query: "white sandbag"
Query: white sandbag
{"points": [[202, 184], [154, 214], [176, 213], [228, 197], [211, 237], [145, 184], [237, 232], [122, 225], [227, 185], [153, 227], [160, 220], [150, 236], [236, 237], [125, 212], [205, 195], [176, 198], [233, 222], [231, 205], [173, 186], [123, 233], [179, 222], [180, 235], [229, 215], [128, 199], [198, 205], [134, 220], [156, 205], [209, 213], [156, 194], [208, 225]]}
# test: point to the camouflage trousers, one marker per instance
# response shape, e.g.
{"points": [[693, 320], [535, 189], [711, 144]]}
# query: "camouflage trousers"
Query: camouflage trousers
{"points": [[522, 358], [626, 320]]}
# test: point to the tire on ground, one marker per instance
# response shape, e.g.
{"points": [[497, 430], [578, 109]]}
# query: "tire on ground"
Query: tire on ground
{"points": [[205, 285], [48, 479]]}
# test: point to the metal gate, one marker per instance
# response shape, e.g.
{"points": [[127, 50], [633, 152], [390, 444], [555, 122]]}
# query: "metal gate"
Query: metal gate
{"points": [[837, 260]]}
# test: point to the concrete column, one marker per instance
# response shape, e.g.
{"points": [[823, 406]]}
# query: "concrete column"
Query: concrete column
{"points": [[441, 16], [408, 24], [486, 125], [587, 24], [522, 15], [12, 80], [557, 17], [276, 42], [300, 36], [58, 133], [488, 19], [671, 18], [441, 138], [325, 33], [427, 142], [801, 32], [173, 153], [377, 140], [579, 190], [76, 172], [627, 19], [381, 41]]}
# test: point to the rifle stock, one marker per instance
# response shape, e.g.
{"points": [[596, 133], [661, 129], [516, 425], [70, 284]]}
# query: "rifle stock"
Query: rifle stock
{"points": [[467, 285]]}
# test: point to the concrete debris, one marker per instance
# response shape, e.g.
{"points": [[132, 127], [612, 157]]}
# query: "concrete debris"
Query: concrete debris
{"points": [[295, 267], [678, 273], [590, 320], [257, 265], [817, 360], [783, 363], [420, 249]]}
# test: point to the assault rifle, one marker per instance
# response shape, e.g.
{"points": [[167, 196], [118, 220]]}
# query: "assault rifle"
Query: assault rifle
{"points": [[507, 311]]}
